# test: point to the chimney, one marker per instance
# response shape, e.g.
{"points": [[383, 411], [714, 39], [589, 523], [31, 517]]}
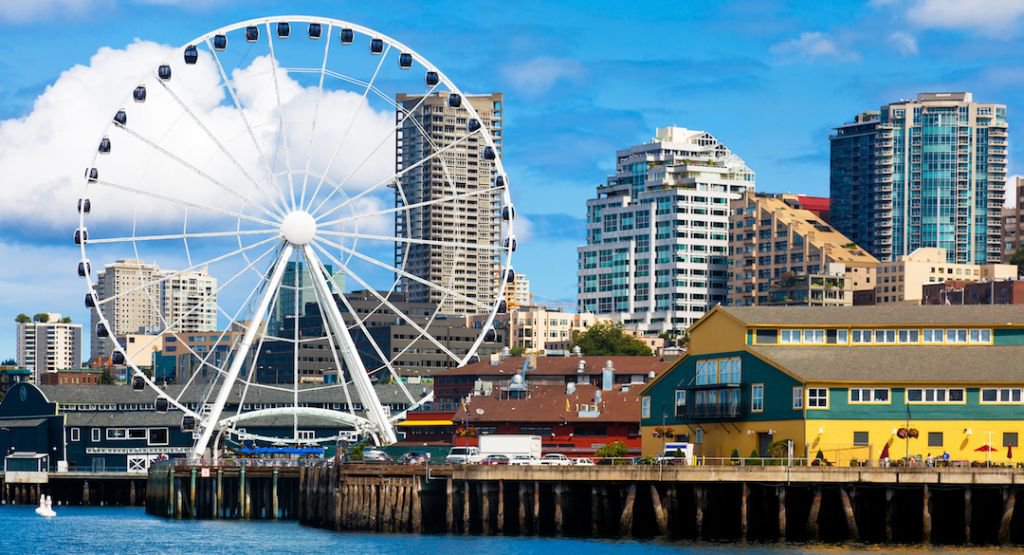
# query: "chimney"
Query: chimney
{"points": [[608, 376], [505, 352], [581, 367]]}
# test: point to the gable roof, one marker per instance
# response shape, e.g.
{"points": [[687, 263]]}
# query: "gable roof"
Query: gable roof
{"points": [[894, 364], [886, 314], [558, 366]]}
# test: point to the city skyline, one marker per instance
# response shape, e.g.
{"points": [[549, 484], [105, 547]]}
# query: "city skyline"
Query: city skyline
{"points": [[566, 88]]}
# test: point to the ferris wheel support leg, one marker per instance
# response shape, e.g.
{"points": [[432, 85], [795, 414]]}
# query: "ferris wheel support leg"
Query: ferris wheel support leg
{"points": [[357, 371], [224, 392]]}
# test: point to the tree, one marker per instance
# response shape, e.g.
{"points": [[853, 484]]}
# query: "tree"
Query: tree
{"points": [[1018, 258], [606, 338], [9, 362], [615, 449], [65, 320], [42, 317], [517, 351], [106, 378], [22, 318]]}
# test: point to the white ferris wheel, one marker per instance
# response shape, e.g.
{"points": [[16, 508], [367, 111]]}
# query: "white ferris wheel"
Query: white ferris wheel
{"points": [[292, 158]]}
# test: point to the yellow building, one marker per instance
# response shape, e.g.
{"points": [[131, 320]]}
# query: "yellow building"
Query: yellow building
{"points": [[901, 281], [853, 383]]}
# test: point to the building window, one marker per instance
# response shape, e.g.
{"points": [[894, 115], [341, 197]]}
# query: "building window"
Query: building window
{"points": [[790, 337], [1001, 395], [908, 336], [158, 436], [981, 336], [767, 337], [645, 407], [542, 431], [860, 438], [842, 337], [307, 434], [814, 336], [757, 398], [934, 439], [75, 434], [117, 433], [95, 435], [868, 395], [935, 395], [862, 336], [680, 397], [817, 398], [698, 436], [1009, 439]]}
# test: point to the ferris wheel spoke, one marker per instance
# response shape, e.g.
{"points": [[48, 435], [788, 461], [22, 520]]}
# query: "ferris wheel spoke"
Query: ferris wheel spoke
{"points": [[178, 273], [283, 135], [196, 170], [336, 357], [403, 273], [174, 236], [390, 134], [295, 336], [255, 359], [348, 129], [394, 177], [220, 146], [186, 203], [389, 304], [316, 113], [385, 361], [414, 241], [280, 206], [407, 207]]}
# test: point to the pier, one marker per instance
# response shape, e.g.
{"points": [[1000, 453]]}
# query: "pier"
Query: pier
{"points": [[74, 488], [948, 506]]}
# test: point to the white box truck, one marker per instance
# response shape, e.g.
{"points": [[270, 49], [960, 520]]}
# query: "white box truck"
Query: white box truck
{"points": [[510, 445]]}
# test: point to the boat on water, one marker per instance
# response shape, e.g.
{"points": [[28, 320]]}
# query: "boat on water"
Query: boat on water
{"points": [[45, 507]]}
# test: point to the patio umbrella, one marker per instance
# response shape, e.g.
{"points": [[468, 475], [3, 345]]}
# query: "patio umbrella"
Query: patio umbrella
{"points": [[885, 452], [1009, 451], [985, 448]]}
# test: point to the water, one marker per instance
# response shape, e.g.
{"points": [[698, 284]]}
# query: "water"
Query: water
{"points": [[130, 530]]}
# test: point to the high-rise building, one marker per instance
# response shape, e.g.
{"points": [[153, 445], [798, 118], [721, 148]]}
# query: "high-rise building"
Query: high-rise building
{"points": [[461, 170], [49, 346], [657, 232], [783, 254], [1013, 222], [284, 306], [143, 299], [929, 172]]}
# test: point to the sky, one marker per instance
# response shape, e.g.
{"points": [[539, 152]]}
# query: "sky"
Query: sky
{"points": [[770, 79]]}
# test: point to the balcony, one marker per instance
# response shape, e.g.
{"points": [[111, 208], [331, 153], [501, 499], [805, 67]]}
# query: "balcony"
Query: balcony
{"points": [[714, 411]]}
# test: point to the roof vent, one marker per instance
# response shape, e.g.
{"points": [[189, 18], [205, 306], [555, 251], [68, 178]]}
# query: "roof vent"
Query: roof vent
{"points": [[581, 367], [570, 388], [576, 351]]}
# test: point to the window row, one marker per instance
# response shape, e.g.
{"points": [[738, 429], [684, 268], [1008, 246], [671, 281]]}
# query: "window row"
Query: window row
{"points": [[915, 336]]}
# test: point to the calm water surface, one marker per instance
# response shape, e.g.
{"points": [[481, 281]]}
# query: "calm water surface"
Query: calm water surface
{"points": [[130, 530]]}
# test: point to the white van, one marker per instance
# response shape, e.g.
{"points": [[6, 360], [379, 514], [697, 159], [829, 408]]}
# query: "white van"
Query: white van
{"points": [[463, 455]]}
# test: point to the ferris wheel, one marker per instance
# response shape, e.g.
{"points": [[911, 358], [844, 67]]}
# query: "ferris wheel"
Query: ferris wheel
{"points": [[288, 162]]}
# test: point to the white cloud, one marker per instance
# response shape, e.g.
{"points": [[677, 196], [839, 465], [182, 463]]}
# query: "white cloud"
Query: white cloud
{"points": [[23, 11], [43, 154], [536, 76], [987, 17], [905, 43], [812, 45]]}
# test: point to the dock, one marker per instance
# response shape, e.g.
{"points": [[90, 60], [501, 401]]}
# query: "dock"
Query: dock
{"points": [[946, 506]]}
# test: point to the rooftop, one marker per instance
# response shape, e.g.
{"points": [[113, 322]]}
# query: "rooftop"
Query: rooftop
{"points": [[556, 366], [887, 314], [918, 364], [550, 403], [120, 394]]}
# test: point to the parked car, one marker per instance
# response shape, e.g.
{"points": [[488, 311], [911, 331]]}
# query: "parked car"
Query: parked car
{"points": [[583, 461], [523, 460], [555, 459], [495, 459], [462, 455], [414, 457], [376, 456]]}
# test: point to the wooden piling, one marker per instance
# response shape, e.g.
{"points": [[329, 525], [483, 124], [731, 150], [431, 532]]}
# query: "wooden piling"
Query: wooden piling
{"points": [[449, 505], [522, 508], [812, 517], [698, 508], [661, 517], [743, 511], [851, 518], [1009, 500], [85, 490], [967, 515], [192, 493], [274, 495], [888, 515], [217, 499], [501, 507], [465, 507], [780, 494], [626, 520], [536, 508], [559, 517], [485, 507], [926, 516], [595, 507]]}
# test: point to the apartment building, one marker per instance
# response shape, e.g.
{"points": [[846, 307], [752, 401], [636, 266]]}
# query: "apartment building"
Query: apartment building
{"points": [[783, 254], [536, 328], [48, 344], [928, 172], [901, 281], [1013, 222], [657, 232]]}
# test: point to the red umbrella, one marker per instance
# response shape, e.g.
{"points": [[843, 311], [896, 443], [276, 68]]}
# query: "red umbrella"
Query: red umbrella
{"points": [[1009, 451], [985, 448]]}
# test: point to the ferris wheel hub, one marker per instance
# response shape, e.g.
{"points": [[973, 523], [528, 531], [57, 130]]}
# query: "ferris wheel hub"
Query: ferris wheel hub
{"points": [[298, 228]]}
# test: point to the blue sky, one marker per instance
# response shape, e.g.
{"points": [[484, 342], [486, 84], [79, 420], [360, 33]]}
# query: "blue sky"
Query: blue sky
{"points": [[581, 79]]}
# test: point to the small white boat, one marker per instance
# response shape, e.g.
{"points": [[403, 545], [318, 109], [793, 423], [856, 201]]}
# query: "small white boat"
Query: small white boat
{"points": [[45, 507]]}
